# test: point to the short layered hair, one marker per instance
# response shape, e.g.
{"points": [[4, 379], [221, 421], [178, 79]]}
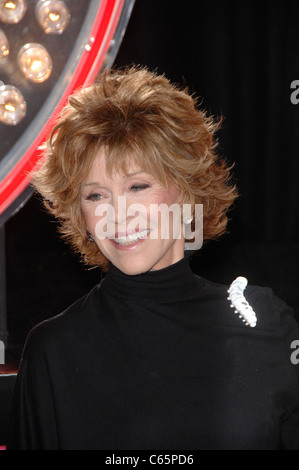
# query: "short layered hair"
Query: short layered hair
{"points": [[139, 117]]}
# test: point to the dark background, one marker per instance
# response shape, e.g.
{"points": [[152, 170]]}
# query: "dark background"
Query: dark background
{"points": [[240, 58]]}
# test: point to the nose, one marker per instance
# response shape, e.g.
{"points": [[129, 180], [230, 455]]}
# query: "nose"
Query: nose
{"points": [[118, 209]]}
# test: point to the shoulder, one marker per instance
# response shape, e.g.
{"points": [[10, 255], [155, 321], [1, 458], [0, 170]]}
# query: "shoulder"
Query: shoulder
{"points": [[272, 312], [67, 326], [250, 306]]}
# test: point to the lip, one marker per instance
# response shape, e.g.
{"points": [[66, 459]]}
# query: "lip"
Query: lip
{"points": [[130, 246], [133, 246]]}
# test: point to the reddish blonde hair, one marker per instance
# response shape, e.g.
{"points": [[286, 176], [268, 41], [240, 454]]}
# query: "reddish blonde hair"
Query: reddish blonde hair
{"points": [[137, 115]]}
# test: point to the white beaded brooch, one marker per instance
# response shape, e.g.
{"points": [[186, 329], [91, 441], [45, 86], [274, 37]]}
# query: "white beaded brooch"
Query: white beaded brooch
{"points": [[239, 302]]}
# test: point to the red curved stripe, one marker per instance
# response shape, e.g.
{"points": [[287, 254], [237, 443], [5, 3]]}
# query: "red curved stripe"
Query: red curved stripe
{"points": [[102, 32]]}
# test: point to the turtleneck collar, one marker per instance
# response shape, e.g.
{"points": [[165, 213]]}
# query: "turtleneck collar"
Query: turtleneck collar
{"points": [[176, 281]]}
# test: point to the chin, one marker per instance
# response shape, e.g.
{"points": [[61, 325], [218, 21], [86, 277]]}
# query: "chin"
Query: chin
{"points": [[133, 268], [153, 258]]}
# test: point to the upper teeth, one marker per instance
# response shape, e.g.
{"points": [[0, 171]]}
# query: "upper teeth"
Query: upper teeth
{"points": [[132, 237]]}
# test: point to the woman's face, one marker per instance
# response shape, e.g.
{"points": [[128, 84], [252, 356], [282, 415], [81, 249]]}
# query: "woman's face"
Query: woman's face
{"points": [[134, 238]]}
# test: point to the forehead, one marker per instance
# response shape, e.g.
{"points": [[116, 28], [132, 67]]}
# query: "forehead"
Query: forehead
{"points": [[119, 167]]}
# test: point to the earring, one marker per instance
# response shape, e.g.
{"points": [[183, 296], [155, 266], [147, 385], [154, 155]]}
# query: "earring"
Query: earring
{"points": [[89, 236], [187, 221]]}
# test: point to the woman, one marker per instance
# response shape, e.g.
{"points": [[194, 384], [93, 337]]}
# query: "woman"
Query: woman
{"points": [[154, 357]]}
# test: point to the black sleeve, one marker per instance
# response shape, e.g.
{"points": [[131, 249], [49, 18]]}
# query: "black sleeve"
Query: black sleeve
{"points": [[275, 318], [289, 328], [290, 425], [290, 432], [32, 419]]}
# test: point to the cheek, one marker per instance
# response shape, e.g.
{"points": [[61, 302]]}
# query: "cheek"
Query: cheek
{"points": [[89, 216], [165, 196], [166, 224]]}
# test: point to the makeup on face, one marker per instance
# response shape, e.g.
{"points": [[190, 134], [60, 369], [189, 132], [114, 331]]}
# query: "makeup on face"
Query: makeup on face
{"points": [[117, 210]]}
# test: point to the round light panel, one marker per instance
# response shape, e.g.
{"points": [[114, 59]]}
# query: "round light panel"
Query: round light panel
{"points": [[48, 48]]}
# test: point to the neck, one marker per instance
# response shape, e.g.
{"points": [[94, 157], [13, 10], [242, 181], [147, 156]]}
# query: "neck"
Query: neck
{"points": [[172, 282]]}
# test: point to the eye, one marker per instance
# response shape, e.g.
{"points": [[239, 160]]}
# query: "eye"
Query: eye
{"points": [[139, 187], [94, 197]]}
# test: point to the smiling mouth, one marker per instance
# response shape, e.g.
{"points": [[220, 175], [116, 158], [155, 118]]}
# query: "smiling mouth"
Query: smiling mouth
{"points": [[132, 238]]}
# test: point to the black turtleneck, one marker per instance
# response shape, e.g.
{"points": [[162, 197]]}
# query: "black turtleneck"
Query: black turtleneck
{"points": [[159, 361]]}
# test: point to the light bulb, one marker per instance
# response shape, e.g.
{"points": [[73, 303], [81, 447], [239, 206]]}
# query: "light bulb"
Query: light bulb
{"points": [[52, 15], [35, 62], [12, 11], [4, 46], [12, 105]]}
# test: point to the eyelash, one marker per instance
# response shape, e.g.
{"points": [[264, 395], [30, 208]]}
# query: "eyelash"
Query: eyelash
{"points": [[135, 188], [93, 197], [138, 187]]}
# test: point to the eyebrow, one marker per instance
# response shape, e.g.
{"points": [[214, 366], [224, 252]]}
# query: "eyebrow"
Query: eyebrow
{"points": [[128, 175], [91, 184]]}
